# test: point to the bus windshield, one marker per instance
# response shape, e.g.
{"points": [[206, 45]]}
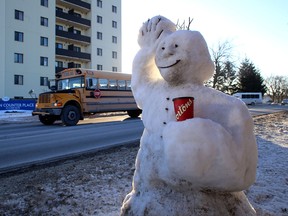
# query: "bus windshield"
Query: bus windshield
{"points": [[70, 83]]}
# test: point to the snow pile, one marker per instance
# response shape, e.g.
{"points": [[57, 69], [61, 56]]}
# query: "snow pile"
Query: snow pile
{"points": [[14, 114], [17, 116]]}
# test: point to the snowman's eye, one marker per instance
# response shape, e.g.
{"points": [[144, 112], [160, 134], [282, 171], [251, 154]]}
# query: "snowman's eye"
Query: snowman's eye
{"points": [[163, 48], [176, 45]]}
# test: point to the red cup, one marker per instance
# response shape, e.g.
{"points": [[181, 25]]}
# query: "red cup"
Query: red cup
{"points": [[184, 108]]}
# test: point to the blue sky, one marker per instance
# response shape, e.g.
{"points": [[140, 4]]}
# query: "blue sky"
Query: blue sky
{"points": [[257, 29]]}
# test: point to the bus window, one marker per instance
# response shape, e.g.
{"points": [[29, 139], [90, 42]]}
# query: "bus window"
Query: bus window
{"points": [[128, 86], [62, 84], [103, 83], [77, 82], [121, 85], [92, 83], [255, 96], [70, 83], [112, 84]]}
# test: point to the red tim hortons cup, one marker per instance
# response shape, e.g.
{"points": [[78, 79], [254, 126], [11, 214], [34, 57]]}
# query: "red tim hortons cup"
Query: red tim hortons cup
{"points": [[184, 108]]}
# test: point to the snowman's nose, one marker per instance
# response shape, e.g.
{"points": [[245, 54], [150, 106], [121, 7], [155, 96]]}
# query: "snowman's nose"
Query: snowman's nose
{"points": [[168, 50]]}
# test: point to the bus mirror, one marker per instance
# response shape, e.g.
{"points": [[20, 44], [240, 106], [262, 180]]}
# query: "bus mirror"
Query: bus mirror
{"points": [[51, 85]]}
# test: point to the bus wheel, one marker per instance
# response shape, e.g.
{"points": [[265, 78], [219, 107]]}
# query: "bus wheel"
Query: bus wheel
{"points": [[47, 119], [70, 115], [134, 113]]}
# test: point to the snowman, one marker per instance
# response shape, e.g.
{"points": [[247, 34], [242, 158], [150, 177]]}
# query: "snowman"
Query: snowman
{"points": [[199, 166]]}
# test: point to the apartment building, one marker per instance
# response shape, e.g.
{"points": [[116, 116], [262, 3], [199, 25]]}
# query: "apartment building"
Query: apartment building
{"points": [[41, 37]]}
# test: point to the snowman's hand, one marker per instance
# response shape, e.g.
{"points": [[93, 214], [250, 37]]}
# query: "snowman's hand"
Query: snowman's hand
{"points": [[153, 30]]}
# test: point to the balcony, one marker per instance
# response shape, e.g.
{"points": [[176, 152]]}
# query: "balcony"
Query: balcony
{"points": [[73, 55], [79, 5], [58, 69], [72, 20], [71, 37]]}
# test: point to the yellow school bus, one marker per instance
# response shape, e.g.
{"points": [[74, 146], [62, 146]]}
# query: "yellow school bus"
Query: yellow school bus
{"points": [[80, 92]]}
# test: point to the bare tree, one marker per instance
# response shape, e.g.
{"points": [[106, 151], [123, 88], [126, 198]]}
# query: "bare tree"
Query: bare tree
{"points": [[277, 88], [221, 55], [183, 26]]}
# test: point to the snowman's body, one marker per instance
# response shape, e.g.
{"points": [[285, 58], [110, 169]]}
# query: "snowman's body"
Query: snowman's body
{"points": [[198, 166]]}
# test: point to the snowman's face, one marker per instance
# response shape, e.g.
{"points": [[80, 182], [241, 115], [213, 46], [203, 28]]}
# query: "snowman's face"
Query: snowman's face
{"points": [[170, 59], [183, 57]]}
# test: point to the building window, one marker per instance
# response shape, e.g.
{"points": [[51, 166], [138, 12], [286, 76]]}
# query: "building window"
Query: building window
{"points": [[18, 79], [114, 9], [114, 69], [99, 52], [43, 61], [43, 41], [59, 45], [77, 65], [99, 19], [59, 9], [77, 14], [114, 55], [99, 35], [59, 64], [76, 31], [77, 49], [19, 36], [18, 58], [44, 21], [44, 3], [114, 24], [71, 64], [19, 15], [99, 67], [43, 81], [59, 27], [114, 39], [99, 3]]}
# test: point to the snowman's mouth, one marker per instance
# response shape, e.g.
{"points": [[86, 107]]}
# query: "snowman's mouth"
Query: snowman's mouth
{"points": [[177, 61]]}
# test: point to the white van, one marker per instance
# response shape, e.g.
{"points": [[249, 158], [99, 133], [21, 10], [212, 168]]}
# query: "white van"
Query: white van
{"points": [[251, 98]]}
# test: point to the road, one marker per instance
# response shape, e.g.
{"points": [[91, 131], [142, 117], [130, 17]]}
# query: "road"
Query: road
{"points": [[25, 144], [264, 109]]}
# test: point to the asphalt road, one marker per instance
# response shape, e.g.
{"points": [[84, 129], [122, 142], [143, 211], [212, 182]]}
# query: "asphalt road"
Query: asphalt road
{"points": [[264, 109], [26, 144]]}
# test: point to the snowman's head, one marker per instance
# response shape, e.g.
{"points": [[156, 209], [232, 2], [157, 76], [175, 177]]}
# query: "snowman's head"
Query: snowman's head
{"points": [[183, 57]]}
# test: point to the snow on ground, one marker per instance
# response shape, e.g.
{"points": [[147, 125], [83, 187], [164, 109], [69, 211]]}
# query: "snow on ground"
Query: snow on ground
{"points": [[270, 192], [96, 184], [16, 115]]}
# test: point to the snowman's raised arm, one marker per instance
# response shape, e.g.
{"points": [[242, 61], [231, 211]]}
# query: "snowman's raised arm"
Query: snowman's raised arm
{"points": [[145, 72]]}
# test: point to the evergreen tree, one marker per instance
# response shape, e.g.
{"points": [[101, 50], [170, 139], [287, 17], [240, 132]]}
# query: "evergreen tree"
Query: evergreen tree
{"points": [[230, 78], [249, 78]]}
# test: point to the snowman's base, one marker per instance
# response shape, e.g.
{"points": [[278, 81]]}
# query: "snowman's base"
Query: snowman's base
{"points": [[168, 202]]}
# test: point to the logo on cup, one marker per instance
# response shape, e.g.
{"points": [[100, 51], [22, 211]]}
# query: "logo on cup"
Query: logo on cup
{"points": [[184, 108]]}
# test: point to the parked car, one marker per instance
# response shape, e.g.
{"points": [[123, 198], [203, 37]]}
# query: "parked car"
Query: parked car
{"points": [[284, 102]]}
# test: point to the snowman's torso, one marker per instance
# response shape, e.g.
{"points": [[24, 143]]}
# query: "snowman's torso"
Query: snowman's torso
{"points": [[158, 111]]}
